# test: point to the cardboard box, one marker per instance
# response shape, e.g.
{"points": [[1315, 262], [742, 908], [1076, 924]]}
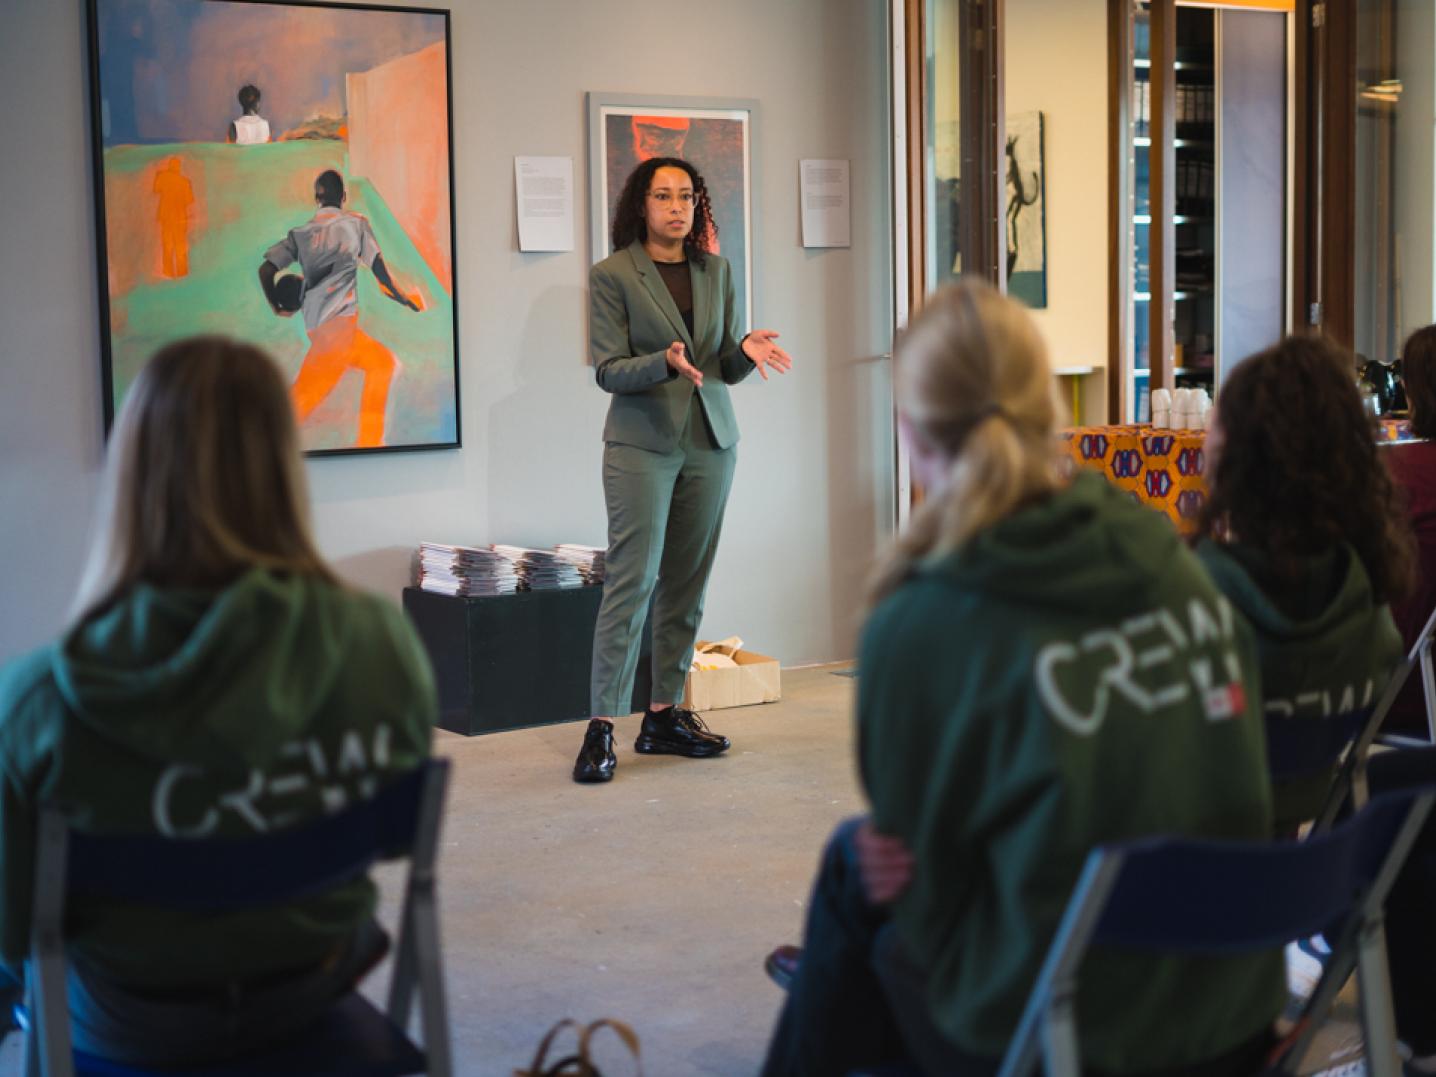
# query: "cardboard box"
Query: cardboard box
{"points": [[754, 678]]}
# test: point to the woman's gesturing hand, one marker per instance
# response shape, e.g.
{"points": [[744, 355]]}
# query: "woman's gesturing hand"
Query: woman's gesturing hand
{"points": [[758, 346], [884, 864], [677, 357]]}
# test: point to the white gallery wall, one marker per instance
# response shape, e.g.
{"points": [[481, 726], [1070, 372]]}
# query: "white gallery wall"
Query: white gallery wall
{"points": [[813, 495]]}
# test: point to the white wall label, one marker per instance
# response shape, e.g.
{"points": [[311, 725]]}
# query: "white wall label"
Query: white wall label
{"points": [[543, 187], [826, 205]]}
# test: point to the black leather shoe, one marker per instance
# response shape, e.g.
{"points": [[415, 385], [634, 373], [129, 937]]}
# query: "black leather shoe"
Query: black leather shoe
{"points": [[678, 731], [782, 966], [595, 759]]}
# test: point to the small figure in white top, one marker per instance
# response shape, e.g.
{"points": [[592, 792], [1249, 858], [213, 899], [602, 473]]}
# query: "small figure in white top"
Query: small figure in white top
{"points": [[250, 129]]}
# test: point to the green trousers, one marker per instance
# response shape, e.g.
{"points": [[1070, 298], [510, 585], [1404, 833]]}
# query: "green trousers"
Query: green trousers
{"points": [[665, 511]]}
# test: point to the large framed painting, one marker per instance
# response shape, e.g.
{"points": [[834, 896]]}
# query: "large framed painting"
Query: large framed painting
{"points": [[714, 134], [281, 173]]}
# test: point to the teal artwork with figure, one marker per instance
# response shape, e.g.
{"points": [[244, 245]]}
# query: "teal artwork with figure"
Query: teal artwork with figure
{"points": [[1026, 219], [281, 173]]}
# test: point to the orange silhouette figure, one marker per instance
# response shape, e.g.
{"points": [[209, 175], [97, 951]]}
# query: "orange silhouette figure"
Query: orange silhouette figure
{"points": [[176, 196], [334, 347]]}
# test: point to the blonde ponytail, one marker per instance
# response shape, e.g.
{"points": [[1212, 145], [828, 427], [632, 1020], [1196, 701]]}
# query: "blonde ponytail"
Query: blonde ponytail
{"points": [[974, 384]]}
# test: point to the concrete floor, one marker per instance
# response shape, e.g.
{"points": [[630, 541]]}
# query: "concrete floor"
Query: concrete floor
{"points": [[652, 899]]}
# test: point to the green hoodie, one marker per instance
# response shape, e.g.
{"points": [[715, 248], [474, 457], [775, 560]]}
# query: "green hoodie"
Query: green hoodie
{"points": [[1069, 677], [194, 713], [1324, 644]]}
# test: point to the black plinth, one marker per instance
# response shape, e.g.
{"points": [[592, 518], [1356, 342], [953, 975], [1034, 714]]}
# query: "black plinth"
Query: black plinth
{"points": [[509, 661]]}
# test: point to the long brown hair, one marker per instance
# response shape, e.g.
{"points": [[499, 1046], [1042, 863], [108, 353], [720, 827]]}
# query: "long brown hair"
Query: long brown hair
{"points": [[630, 220], [974, 383], [204, 479], [1298, 472]]}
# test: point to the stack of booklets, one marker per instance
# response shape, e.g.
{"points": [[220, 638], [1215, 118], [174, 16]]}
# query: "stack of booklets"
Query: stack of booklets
{"points": [[540, 570], [587, 559], [466, 570]]}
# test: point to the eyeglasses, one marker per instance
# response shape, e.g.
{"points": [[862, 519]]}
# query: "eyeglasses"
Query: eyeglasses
{"points": [[663, 198]]}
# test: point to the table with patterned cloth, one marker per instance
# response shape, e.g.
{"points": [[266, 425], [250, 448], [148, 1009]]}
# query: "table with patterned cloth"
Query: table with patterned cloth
{"points": [[1160, 468], [1165, 468]]}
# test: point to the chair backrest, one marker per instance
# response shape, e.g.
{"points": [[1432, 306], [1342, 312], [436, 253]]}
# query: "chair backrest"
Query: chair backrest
{"points": [[1420, 655], [401, 819], [1240, 897], [220, 873], [1300, 746], [1217, 897]]}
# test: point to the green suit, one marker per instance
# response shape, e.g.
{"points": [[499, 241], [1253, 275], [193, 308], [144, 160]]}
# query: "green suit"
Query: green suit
{"points": [[669, 455]]}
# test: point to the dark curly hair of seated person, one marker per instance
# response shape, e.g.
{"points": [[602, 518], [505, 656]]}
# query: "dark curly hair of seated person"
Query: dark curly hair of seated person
{"points": [[1418, 375], [1298, 471]]}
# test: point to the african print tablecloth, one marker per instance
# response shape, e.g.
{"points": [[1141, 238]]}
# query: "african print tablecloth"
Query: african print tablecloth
{"points": [[1164, 468], [1160, 468]]}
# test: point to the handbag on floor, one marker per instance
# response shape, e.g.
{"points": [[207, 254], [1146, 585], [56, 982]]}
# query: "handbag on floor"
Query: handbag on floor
{"points": [[579, 1064]]}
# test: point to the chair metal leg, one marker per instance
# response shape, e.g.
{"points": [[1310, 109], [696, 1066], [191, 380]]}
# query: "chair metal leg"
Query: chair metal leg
{"points": [[51, 1016], [1060, 1054], [1338, 971], [1428, 685], [401, 983], [1378, 1018], [32, 1054], [1041, 1032], [433, 1002], [45, 975]]}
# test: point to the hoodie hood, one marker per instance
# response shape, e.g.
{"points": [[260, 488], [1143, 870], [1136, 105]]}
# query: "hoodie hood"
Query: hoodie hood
{"points": [[220, 679], [1088, 549], [1329, 592]]}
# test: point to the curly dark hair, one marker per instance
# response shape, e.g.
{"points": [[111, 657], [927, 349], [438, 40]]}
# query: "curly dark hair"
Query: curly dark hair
{"points": [[629, 219], [1298, 471], [1418, 374]]}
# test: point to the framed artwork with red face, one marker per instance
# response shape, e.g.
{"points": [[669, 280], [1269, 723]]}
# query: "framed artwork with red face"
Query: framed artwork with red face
{"points": [[713, 134]]}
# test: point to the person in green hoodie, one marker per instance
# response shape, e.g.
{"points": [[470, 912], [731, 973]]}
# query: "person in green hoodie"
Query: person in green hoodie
{"points": [[1304, 533], [1046, 668], [216, 679]]}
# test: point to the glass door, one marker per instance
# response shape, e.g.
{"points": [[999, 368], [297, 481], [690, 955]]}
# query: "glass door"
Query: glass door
{"points": [[1203, 187]]}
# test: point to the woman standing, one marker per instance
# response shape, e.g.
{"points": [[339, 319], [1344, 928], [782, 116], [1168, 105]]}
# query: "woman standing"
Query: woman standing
{"points": [[663, 336]]}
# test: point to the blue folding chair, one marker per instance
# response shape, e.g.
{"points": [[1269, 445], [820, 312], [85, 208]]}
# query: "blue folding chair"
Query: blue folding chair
{"points": [[1301, 746], [1211, 897], [353, 1038], [1420, 655]]}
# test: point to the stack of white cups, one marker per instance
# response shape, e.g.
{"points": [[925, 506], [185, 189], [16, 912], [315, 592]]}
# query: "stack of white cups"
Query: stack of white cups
{"points": [[1162, 408], [1181, 409]]}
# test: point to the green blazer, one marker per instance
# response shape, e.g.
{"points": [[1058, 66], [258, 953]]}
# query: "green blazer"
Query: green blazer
{"points": [[632, 320]]}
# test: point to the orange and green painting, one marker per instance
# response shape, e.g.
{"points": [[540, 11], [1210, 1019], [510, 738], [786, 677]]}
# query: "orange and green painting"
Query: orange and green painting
{"points": [[280, 173]]}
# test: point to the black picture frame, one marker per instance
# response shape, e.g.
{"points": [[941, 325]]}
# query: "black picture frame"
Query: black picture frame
{"points": [[153, 74]]}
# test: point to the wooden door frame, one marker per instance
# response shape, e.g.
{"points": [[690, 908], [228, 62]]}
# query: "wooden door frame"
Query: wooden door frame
{"points": [[981, 131], [1324, 236], [1121, 238], [981, 125], [981, 128]]}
